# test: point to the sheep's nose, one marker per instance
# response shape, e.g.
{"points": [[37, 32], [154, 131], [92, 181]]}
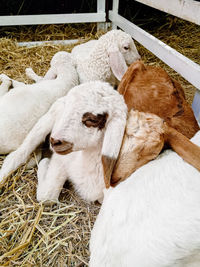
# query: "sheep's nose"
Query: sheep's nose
{"points": [[60, 146]]}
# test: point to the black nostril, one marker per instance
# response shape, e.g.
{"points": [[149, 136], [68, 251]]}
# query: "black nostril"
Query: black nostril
{"points": [[55, 142]]}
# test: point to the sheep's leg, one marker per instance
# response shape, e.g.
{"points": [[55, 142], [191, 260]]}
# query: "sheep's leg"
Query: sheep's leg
{"points": [[6, 83], [32, 75], [15, 83], [35, 137], [51, 178]]}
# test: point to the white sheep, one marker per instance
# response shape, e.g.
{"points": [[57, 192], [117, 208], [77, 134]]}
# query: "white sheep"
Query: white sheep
{"points": [[22, 106], [105, 59], [152, 218]]}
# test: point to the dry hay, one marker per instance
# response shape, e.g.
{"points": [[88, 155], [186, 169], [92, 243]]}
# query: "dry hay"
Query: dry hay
{"points": [[58, 235]]}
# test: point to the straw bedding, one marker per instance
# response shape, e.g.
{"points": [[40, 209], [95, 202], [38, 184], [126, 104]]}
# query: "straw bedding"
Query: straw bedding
{"points": [[32, 234]]}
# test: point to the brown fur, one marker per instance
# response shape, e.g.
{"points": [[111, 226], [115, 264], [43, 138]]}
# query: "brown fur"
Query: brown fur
{"points": [[108, 165], [144, 138], [91, 120], [150, 89]]}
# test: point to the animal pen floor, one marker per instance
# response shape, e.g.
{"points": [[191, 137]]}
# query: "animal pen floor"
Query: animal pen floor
{"points": [[58, 235]]}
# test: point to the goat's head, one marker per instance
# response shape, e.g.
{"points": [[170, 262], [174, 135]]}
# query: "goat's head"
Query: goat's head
{"points": [[94, 115], [143, 141], [121, 51]]}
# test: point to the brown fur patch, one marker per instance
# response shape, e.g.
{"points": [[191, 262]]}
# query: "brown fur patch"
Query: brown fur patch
{"points": [[108, 165], [91, 120], [150, 89]]}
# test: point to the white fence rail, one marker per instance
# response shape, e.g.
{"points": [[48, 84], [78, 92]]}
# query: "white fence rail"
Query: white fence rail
{"points": [[184, 9], [99, 16]]}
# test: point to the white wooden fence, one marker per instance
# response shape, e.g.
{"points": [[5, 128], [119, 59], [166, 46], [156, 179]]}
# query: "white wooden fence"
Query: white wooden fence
{"points": [[185, 9]]}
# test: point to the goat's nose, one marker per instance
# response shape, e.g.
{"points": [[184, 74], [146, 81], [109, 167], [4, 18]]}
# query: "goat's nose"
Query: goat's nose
{"points": [[55, 142], [60, 146]]}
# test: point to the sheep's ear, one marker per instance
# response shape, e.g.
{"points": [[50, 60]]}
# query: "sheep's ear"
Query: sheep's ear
{"points": [[111, 146], [117, 63], [130, 75]]}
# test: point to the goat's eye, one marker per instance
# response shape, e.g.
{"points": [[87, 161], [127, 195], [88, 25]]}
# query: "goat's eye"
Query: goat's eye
{"points": [[126, 47], [97, 121]]}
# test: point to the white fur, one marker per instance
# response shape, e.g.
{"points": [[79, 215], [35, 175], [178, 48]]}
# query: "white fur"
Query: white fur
{"points": [[105, 59], [152, 219], [83, 166], [21, 107]]}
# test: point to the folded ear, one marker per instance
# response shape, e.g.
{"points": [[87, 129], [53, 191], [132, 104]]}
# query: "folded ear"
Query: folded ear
{"points": [[182, 146], [129, 76], [111, 146], [117, 63]]}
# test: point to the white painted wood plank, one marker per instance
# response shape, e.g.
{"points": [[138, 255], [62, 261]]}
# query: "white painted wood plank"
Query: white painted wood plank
{"points": [[56, 42], [184, 66], [101, 7], [52, 19], [196, 105], [185, 9], [115, 9]]}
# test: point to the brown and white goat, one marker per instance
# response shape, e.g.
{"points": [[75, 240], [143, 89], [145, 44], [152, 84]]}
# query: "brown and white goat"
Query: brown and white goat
{"points": [[144, 138], [151, 89]]}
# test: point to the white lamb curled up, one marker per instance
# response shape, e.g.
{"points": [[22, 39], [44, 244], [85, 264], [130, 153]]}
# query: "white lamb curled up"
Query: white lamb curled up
{"points": [[152, 218], [89, 122], [21, 107], [105, 59]]}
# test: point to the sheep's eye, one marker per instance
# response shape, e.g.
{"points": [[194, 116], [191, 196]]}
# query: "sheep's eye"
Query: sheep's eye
{"points": [[126, 47]]}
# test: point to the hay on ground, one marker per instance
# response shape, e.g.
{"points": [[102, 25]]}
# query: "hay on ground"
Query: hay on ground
{"points": [[32, 234]]}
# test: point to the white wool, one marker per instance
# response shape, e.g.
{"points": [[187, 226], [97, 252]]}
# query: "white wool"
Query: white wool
{"points": [[152, 218], [22, 106], [105, 59]]}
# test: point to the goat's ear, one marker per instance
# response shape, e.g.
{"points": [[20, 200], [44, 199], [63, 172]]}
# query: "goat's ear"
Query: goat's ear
{"points": [[130, 75], [111, 146], [117, 63], [182, 146], [91, 120]]}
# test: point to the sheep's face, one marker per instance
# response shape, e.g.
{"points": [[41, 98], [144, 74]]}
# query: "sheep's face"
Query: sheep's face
{"points": [[85, 115], [128, 49]]}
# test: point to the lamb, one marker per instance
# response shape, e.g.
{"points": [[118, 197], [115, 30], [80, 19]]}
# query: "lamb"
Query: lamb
{"points": [[22, 106], [88, 125], [151, 89], [105, 59], [152, 218]]}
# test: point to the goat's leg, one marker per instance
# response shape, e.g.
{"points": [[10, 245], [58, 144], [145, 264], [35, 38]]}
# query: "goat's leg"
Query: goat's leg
{"points": [[51, 178], [6, 83], [33, 161], [34, 138]]}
